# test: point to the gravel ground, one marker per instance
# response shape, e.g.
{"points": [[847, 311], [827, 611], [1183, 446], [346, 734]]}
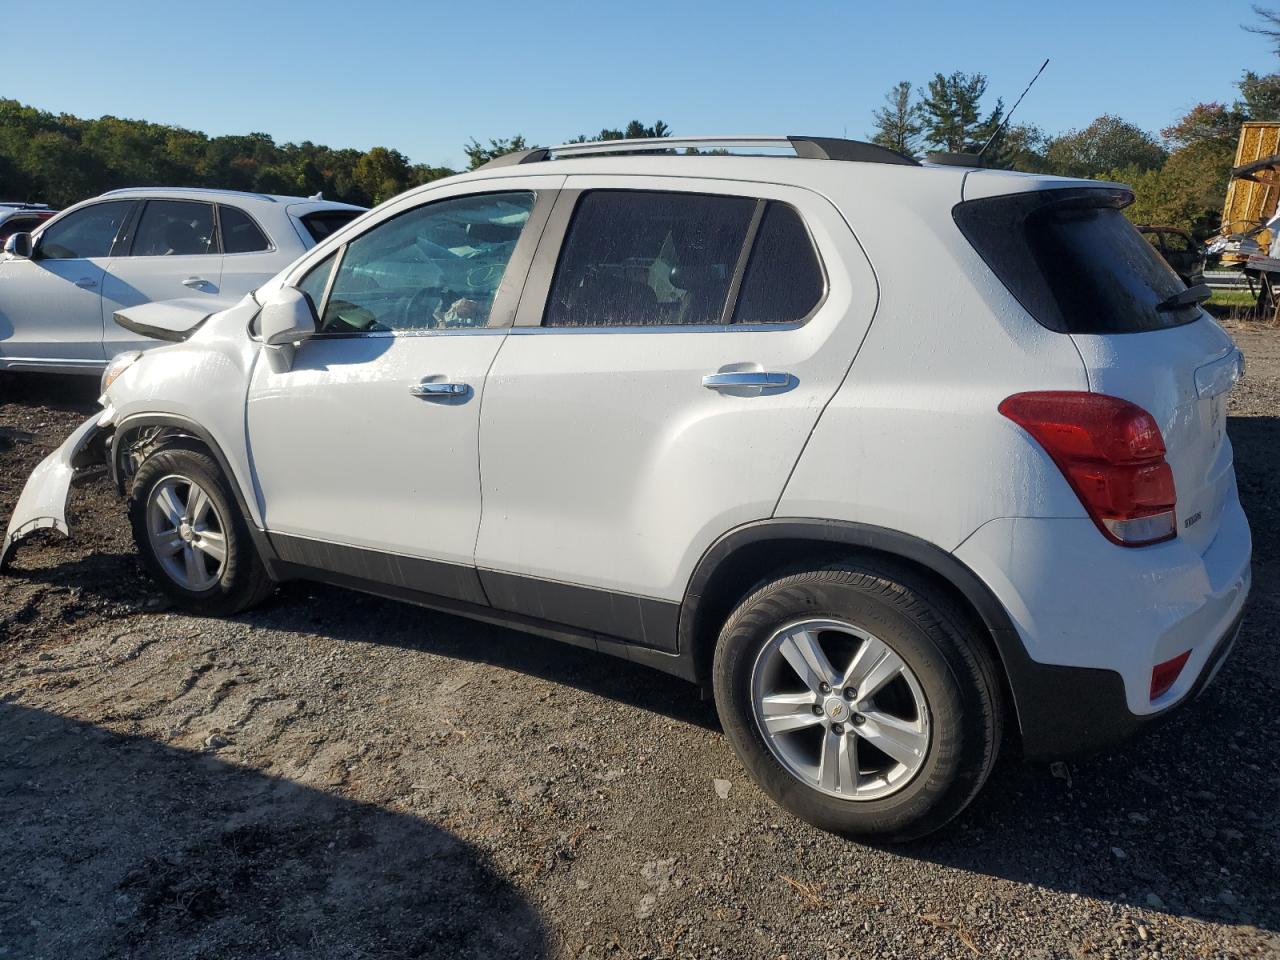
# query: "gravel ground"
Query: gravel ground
{"points": [[339, 776]]}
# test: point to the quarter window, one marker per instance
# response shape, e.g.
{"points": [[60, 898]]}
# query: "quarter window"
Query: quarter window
{"points": [[634, 258], [174, 228], [316, 280], [438, 266], [89, 232], [239, 233], [784, 280]]}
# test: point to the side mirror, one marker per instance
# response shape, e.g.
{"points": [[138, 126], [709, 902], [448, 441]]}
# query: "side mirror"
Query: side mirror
{"points": [[19, 245], [287, 317]]}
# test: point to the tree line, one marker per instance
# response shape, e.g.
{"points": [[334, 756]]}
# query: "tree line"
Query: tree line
{"points": [[60, 159], [1179, 178]]}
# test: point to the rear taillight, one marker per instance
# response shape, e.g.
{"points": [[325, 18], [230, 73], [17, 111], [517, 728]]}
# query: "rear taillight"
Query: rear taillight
{"points": [[1111, 453], [1164, 675]]}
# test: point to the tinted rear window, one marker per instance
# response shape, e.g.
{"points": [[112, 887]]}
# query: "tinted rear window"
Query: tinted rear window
{"points": [[321, 225], [1073, 260]]}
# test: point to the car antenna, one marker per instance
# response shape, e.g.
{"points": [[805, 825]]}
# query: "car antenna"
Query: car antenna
{"points": [[1005, 122]]}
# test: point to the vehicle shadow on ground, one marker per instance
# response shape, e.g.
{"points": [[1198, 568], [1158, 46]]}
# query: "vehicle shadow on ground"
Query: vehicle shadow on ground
{"points": [[119, 846], [347, 615], [50, 391]]}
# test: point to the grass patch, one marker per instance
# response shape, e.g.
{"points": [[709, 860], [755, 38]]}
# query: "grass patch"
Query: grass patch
{"points": [[1232, 298]]}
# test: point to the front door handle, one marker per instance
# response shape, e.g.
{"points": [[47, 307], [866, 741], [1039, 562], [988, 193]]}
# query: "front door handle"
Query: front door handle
{"points": [[86, 283], [439, 391], [745, 378], [194, 282]]}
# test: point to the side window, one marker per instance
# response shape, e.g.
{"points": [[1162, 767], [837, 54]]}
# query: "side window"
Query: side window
{"points": [[239, 233], [784, 280], [174, 228], [437, 266], [316, 280], [648, 258], [89, 232]]}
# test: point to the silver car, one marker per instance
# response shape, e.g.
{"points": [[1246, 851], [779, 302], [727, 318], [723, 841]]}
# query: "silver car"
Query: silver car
{"points": [[61, 285]]}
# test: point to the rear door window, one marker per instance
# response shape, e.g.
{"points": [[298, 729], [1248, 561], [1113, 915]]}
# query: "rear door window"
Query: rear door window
{"points": [[648, 258], [174, 228], [239, 233], [1074, 262]]}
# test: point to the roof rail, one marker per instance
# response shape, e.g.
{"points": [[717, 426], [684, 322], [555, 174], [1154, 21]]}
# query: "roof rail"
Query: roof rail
{"points": [[810, 148], [236, 193]]}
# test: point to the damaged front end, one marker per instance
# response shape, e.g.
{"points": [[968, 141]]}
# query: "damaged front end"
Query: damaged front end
{"points": [[43, 505]]}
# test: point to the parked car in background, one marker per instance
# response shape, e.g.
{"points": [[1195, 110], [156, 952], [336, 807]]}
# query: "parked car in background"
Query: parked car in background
{"points": [[1179, 250], [61, 284], [22, 218], [726, 432]]}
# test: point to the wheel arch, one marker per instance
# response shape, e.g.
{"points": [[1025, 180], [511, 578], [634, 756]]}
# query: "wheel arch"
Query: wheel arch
{"points": [[179, 429], [747, 554]]}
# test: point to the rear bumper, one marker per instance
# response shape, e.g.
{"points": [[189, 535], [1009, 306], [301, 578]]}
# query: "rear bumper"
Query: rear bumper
{"points": [[1090, 620], [1074, 711]]}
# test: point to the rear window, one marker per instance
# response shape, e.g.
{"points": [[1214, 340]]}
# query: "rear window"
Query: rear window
{"points": [[1074, 262], [321, 225]]}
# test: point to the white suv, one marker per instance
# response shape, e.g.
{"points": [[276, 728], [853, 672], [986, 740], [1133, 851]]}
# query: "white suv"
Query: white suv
{"points": [[61, 284], [889, 456]]}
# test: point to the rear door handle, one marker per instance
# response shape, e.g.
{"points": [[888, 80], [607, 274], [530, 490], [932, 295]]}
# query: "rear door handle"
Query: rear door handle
{"points": [[439, 391], [194, 282], [745, 378], [86, 283]]}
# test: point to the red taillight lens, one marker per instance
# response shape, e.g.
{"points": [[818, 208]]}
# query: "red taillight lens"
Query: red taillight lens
{"points": [[1164, 675], [1111, 453]]}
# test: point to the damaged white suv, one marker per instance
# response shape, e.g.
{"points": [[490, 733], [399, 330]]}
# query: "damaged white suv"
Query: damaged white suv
{"points": [[698, 410]]}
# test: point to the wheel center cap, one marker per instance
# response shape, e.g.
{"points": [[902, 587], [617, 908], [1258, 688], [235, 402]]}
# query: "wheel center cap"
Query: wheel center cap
{"points": [[185, 532], [836, 710]]}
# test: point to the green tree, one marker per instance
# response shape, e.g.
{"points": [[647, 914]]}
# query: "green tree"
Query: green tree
{"points": [[478, 154], [1260, 95], [1186, 192], [1109, 143], [382, 173], [899, 123], [952, 113], [1205, 121], [1021, 146]]}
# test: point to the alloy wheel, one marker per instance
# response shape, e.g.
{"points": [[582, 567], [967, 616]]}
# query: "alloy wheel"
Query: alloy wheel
{"points": [[840, 709], [187, 533]]}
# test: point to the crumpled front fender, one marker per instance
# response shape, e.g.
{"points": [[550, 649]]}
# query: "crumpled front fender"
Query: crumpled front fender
{"points": [[43, 503]]}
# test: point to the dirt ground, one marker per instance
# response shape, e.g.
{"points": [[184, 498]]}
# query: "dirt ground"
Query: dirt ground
{"points": [[336, 776]]}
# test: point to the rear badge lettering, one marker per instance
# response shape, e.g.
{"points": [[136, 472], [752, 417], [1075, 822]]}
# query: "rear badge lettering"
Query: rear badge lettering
{"points": [[1191, 520]]}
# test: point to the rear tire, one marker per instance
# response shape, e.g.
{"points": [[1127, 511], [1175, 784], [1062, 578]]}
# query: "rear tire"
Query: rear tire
{"points": [[193, 537], [929, 695]]}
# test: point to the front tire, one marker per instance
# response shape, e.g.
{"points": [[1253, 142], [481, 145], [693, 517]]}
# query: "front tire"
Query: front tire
{"points": [[192, 537], [859, 698]]}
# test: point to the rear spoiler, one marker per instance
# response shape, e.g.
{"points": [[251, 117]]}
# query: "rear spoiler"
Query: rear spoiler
{"points": [[172, 320]]}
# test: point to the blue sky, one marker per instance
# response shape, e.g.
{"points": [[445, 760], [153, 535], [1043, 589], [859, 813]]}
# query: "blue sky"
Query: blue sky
{"points": [[424, 77]]}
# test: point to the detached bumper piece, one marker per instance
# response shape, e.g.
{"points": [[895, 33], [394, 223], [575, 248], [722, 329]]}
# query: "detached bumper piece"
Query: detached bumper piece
{"points": [[43, 504]]}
